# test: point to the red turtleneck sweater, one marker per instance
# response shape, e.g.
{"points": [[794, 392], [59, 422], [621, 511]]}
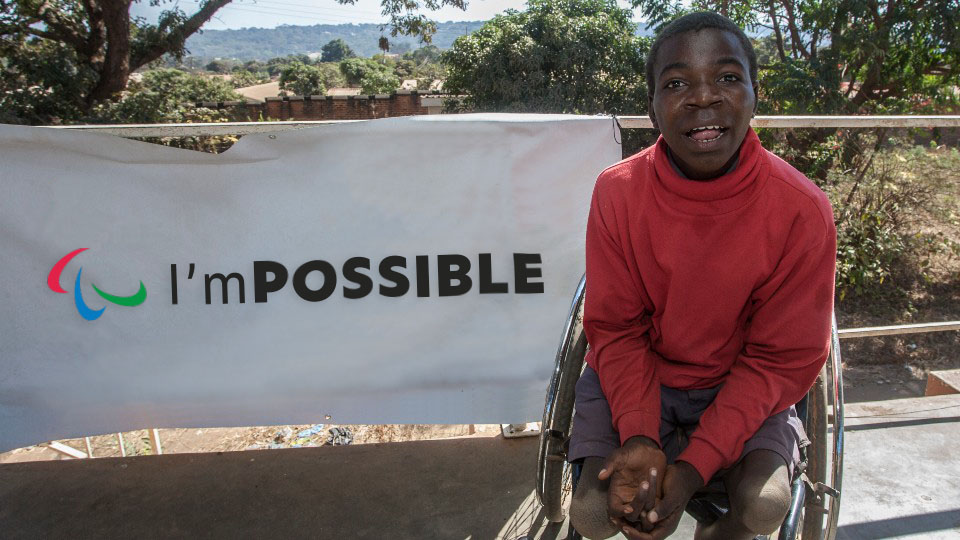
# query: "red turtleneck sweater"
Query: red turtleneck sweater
{"points": [[692, 284]]}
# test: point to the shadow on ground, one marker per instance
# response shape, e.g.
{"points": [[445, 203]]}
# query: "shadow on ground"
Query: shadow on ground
{"points": [[461, 488]]}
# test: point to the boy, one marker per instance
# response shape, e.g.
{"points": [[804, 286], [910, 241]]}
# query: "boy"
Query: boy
{"points": [[710, 273]]}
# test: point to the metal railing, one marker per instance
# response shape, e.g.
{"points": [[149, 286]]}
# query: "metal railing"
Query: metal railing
{"points": [[625, 122]]}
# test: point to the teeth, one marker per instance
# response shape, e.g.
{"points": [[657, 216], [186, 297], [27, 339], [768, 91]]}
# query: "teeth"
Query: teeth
{"points": [[705, 127]]}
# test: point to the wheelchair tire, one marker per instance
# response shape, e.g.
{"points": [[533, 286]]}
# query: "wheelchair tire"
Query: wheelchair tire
{"points": [[816, 424], [554, 478]]}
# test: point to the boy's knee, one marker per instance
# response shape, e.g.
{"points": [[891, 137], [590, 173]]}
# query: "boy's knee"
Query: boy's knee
{"points": [[762, 500], [588, 509]]}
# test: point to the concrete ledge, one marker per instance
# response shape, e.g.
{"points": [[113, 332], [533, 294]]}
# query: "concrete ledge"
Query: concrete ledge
{"points": [[476, 487], [944, 382]]}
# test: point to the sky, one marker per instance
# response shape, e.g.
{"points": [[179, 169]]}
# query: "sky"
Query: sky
{"points": [[273, 13]]}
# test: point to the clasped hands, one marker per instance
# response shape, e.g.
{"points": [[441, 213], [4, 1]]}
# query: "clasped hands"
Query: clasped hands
{"points": [[646, 497]]}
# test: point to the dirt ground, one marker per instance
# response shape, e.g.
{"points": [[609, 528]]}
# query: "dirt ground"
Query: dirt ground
{"points": [[889, 367], [174, 441]]}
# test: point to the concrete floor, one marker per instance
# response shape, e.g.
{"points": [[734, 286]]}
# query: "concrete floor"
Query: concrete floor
{"points": [[902, 469], [901, 480]]}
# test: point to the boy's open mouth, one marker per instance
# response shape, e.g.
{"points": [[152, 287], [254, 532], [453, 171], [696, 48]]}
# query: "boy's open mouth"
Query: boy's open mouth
{"points": [[706, 133]]}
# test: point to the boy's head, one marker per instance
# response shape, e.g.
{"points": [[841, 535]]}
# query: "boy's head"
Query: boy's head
{"points": [[701, 76]]}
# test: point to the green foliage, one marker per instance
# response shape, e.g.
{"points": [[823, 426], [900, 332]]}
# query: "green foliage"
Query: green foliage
{"points": [[64, 56], [170, 96], [879, 209], [578, 56], [355, 70], [379, 82], [166, 96], [424, 55], [61, 58], [41, 82], [331, 75], [845, 56], [242, 78], [335, 51], [302, 79], [220, 66]]}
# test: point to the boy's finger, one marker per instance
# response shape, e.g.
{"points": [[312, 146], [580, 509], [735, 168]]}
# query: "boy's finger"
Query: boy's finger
{"points": [[651, 495], [609, 465]]}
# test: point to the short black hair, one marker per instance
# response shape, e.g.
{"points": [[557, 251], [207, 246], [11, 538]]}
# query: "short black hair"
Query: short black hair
{"points": [[694, 22]]}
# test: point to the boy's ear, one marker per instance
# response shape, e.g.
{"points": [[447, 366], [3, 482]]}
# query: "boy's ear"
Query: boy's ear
{"points": [[652, 115], [756, 97]]}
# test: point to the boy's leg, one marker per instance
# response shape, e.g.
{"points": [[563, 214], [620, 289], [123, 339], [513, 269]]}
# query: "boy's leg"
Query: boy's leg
{"points": [[759, 491], [592, 440], [588, 509]]}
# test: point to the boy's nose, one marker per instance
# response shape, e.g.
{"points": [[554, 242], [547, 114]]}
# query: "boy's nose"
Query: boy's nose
{"points": [[704, 95]]}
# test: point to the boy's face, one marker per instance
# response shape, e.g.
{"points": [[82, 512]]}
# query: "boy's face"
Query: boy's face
{"points": [[702, 80]]}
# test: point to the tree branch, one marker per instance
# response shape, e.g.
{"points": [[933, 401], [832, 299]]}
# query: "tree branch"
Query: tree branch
{"points": [[176, 38], [115, 69], [93, 48], [776, 30], [795, 39], [56, 28]]}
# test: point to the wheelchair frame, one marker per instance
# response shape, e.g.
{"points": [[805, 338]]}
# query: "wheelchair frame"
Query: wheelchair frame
{"points": [[815, 495]]}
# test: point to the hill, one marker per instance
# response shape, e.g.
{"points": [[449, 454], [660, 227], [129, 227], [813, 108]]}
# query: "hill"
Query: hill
{"points": [[266, 43]]}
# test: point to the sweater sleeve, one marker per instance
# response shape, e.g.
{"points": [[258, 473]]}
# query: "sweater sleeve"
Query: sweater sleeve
{"points": [[617, 327], [786, 344]]}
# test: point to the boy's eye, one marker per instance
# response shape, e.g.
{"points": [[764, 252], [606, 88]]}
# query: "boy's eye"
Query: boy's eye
{"points": [[673, 84], [729, 77]]}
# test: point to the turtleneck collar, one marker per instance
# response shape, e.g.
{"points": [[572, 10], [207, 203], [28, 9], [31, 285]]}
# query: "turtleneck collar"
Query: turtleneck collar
{"points": [[719, 195]]}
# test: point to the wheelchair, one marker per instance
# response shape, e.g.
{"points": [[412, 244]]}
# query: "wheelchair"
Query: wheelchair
{"points": [[815, 489]]}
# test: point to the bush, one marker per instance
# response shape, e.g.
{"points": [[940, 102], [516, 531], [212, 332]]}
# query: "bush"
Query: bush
{"points": [[379, 82], [302, 80], [356, 69], [243, 78], [170, 96], [895, 214], [165, 96]]}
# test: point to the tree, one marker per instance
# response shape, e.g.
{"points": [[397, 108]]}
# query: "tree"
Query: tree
{"points": [[242, 78], [61, 57], [379, 82], [335, 51], [357, 69], [845, 56], [557, 56], [220, 66], [96, 37], [332, 77], [426, 54], [166, 95], [302, 79]]}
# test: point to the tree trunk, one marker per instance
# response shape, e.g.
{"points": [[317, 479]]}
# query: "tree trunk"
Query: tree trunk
{"points": [[116, 62]]}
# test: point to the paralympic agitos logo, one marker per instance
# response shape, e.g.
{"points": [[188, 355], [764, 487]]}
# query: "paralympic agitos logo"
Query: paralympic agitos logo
{"points": [[53, 281], [317, 280]]}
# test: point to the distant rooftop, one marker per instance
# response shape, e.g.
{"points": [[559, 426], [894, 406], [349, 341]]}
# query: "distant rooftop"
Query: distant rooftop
{"points": [[259, 92]]}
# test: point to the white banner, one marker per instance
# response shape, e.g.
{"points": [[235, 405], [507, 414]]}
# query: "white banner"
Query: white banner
{"points": [[414, 270]]}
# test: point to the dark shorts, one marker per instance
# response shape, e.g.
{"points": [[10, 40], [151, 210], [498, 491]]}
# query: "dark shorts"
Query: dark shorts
{"points": [[593, 433]]}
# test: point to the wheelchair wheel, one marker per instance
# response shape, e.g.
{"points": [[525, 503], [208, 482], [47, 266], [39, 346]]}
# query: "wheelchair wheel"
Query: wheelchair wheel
{"points": [[816, 427], [823, 418], [554, 478]]}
